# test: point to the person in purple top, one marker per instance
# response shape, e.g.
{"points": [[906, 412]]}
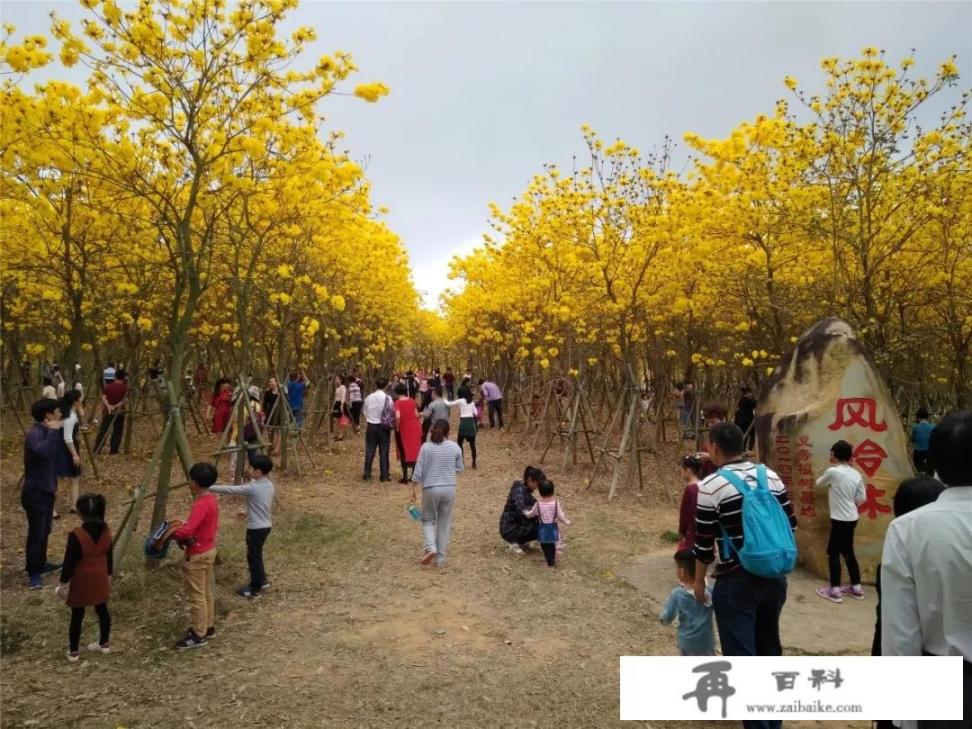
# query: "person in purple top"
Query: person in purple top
{"points": [[43, 441], [494, 400]]}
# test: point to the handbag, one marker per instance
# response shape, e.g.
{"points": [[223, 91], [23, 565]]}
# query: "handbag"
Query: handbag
{"points": [[548, 533], [344, 421], [388, 414]]}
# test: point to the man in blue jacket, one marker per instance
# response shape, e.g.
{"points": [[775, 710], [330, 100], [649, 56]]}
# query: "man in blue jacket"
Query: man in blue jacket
{"points": [[40, 485]]}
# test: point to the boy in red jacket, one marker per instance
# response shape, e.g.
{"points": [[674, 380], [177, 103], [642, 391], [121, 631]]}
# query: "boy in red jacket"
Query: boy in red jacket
{"points": [[198, 536]]}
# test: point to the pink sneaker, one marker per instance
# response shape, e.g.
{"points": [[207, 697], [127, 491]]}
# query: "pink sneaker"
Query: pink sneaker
{"points": [[830, 593], [854, 591]]}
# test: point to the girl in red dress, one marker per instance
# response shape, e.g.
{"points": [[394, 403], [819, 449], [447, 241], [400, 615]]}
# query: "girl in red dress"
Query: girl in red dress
{"points": [[408, 430], [86, 574], [222, 405]]}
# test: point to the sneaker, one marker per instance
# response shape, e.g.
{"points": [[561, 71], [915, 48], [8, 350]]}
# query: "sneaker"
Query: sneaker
{"points": [[247, 593], [50, 567], [515, 548], [190, 641], [99, 648], [428, 557], [73, 656], [366, 478], [854, 591], [266, 583], [210, 633], [830, 593], [35, 583], [386, 479]]}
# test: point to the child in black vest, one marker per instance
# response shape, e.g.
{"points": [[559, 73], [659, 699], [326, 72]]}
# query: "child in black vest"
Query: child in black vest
{"points": [[86, 574]]}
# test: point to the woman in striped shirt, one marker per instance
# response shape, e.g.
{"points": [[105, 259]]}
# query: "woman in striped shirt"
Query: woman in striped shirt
{"points": [[438, 462]]}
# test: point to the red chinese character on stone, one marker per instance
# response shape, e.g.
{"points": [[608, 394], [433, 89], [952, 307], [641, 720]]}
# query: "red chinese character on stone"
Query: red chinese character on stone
{"points": [[872, 506], [804, 441], [806, 469], [857, 411], [868, 455], [808, 510]]}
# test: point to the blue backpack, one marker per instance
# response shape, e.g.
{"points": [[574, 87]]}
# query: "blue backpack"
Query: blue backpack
{"points": [[769, 549]]}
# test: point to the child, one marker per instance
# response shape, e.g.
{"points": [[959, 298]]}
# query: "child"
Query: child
{"points": [[259, 502], [846, 492], [198, 536], [549, 512], [920, 436], [695, 635], [86, 574], [691, 473]]}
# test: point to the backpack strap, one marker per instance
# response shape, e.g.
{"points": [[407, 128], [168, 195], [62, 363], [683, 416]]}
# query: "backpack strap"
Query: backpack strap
{"points": [[738, 481], [762, 481], [743, 488]]}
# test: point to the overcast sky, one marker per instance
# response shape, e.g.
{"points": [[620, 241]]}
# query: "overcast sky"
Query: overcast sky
{"points": [[484, 93]]}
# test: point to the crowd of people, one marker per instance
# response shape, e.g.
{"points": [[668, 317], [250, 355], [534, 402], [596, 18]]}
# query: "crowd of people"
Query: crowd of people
{"points": [[924, 584], [742, 510]]}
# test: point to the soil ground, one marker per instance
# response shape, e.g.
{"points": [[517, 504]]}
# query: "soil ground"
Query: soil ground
{"points": [[353, 632]]}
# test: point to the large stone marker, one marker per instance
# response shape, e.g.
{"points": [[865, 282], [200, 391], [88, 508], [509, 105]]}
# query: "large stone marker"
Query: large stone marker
{"points": [[827, 389]]}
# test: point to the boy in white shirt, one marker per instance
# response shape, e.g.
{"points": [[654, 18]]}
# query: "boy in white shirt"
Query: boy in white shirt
{"points": [[846, 492]]}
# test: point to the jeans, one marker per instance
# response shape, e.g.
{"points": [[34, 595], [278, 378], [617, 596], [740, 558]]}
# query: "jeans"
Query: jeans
{"points": [[39, 506], [451, 391], [841, 544], [254, 557], [299, 418], [199, 576], [377, 437], [77, 620], [437, 502], [922, 465], [117, 423], [747, 612], [356, 413], [495, 410]]}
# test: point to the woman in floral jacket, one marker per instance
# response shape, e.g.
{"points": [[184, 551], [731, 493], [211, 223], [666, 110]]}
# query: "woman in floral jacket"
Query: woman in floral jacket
{"points": [[517, 530]]}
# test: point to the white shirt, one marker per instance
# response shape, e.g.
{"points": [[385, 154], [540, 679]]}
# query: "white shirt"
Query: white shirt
{"points": [[466, 409], [926, 579], [49, 392], [373, 405], [846, 491], [68, 427], [340, 393], [108, 374]]}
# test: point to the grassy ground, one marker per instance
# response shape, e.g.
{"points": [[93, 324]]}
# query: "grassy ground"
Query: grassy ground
{"points": [[353, 631]]}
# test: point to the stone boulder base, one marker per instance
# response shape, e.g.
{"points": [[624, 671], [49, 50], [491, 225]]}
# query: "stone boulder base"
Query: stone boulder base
{"points": [[826, 389]]}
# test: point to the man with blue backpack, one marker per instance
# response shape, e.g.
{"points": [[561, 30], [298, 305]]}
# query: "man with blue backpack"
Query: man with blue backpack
{"points": [[744, 514]]}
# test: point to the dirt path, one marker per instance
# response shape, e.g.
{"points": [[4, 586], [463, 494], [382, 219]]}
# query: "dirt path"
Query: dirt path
{"points": [[353, 631]]}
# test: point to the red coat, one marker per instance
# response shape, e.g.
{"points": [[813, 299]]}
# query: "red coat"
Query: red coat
{"points": [[409, 430], [89, 583], [222, 407]]}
